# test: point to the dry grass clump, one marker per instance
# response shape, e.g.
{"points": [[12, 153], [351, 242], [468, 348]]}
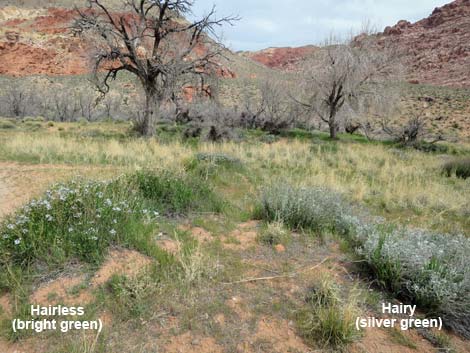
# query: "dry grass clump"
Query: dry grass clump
{"points": [[274, 233], [327, 318]]}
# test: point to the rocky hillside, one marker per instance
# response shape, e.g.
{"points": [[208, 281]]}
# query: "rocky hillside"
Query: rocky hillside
{"points": [[437, 48], [281, 58], [39, 41]]}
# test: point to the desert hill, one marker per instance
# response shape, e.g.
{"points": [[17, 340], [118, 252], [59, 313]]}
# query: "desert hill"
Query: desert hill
{"points": [[281, 58]]}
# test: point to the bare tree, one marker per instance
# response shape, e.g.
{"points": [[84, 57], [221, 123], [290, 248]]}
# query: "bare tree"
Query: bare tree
{"points": [[110, 104], [64, 105], [409, 131], [17, 100], [152, 40], [87, 103], [342, 80], [266, 105]]}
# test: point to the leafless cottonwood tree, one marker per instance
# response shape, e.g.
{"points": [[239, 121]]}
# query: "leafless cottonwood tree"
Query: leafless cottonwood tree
{"points": [[152, 40], [266, 105], [17, 100], [346, 79], [412, 130]]}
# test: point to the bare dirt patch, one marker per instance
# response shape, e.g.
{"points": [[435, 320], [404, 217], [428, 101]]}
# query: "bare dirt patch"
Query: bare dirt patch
{"points": [[377, 340], [243, 237], [5, 304], [125, 262], [187, 343], [59, 291], [198, 233], [281, 334], [77, 290], [169, 245]]}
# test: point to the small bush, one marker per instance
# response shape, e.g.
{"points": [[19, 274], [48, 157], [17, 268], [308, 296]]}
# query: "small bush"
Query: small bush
{"points": [[7, 125], [430, 147], [459, 167], [274, 234], [327, 319], [316, 209], [218, 159], [175, 194], [130, 298], [209, 164]]}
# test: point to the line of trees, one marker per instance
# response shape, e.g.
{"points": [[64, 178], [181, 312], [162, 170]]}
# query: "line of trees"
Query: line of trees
{"points": [[345, 85], [59, 103]]}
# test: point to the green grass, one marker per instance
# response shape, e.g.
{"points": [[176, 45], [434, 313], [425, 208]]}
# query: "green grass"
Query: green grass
{"points": [[176, 194]]}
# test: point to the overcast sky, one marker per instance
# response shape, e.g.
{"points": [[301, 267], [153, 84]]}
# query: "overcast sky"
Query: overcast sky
{"points": [[279, 23]]}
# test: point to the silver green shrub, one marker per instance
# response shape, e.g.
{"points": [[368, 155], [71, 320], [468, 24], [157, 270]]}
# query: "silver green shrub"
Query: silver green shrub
{"points": [[431, 270], [313, 208], [428, 269]]}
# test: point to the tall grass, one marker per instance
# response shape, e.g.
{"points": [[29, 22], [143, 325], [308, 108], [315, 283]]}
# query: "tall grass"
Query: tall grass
{"points": [[405, 185]]}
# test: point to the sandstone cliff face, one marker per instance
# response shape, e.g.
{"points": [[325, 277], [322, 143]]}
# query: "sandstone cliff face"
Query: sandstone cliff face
{"points": [[41, 42], [437, 48]]}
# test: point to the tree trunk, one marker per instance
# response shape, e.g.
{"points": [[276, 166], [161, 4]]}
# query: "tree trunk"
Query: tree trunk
{"points": [[148, 123], [333, 132], [333, 128]]}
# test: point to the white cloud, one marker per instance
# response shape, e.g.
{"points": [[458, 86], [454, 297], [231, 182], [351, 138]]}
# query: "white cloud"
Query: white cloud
{"points": [[263, 25]]}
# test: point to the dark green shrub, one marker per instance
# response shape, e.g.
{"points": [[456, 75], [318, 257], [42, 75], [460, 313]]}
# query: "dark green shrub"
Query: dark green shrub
{"points": [[424, 146], [7, 125], [458, 167]]}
